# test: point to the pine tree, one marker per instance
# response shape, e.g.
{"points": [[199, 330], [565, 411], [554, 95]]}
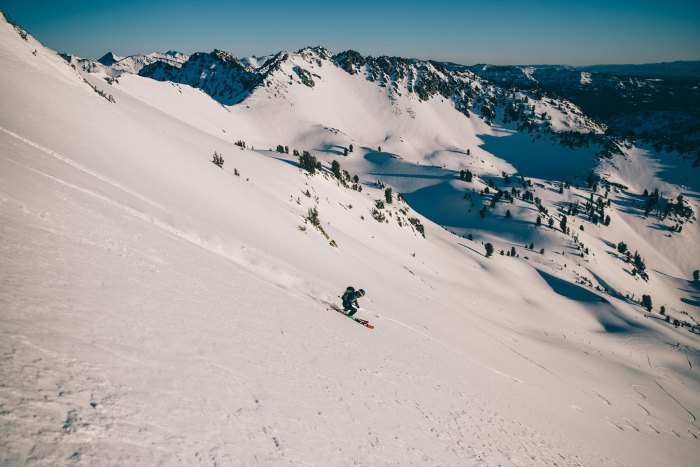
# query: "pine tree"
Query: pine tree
{"points": [[388, 195], [646, 302], [562, 224], [309, 163], [489, 249], [335, 168]]}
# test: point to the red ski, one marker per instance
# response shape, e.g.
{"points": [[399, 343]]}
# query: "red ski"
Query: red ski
{"points": [[363, 322]]}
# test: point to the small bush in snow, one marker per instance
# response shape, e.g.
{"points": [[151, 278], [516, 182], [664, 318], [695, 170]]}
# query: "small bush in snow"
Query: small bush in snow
{"points": [[313, 217], [218, 159], [417, 224], [378, 215], [489, 249], [646, 302]]}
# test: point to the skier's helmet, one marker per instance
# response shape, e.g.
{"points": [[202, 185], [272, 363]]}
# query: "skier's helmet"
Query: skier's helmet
{"points": [[361, 292]]}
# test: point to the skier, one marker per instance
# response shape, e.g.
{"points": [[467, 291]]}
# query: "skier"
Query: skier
{"points": [[350, 297]]}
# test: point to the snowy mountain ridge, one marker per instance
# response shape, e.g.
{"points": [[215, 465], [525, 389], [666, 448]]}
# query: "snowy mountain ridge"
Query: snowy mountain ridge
{"points": [[114, 66], [228, 80]]}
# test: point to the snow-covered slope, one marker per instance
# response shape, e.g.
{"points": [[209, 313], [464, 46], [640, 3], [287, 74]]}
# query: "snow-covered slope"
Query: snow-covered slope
{"points": [[159, 309]]}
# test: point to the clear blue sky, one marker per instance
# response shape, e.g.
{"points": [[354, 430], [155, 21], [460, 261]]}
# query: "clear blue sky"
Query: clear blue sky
{"points": [[499, 32]]}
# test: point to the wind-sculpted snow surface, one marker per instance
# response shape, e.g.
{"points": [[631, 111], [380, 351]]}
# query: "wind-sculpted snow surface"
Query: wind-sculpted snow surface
{"points": [[157, 308]]}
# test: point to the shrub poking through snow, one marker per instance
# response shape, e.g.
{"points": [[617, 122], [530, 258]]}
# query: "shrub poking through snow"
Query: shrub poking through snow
{"points": [[416, 223], [646, 302], [640, 266], [378, 215], [218, 159], [312, 217], [109, 97]]}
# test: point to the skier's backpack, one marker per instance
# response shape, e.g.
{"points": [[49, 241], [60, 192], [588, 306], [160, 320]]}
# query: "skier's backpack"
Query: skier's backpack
{"points": [[348, 296]]}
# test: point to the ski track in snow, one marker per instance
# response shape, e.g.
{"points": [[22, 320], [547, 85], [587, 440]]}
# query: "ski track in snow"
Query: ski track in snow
{"points": [[254, 263], [82, 168]]}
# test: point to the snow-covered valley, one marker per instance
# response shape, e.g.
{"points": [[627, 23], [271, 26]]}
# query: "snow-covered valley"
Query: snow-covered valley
{"points": [[158, 309]]}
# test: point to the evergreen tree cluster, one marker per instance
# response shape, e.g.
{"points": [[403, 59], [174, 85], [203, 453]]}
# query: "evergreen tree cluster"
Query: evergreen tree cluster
{"points": [[662, 207], [465, 175], [309, 163], [640, 266], [388, 195], [595, 209], [415, 222]]}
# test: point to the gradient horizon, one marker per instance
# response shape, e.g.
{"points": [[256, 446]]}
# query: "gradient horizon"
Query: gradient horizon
{"points": [[501, 32]]}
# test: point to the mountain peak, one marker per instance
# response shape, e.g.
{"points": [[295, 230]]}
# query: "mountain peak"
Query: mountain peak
{"points": [[109, 59], [318, 50]]}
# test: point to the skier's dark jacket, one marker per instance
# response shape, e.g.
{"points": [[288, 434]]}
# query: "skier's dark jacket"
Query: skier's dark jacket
{"points": [[350, 298]]}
